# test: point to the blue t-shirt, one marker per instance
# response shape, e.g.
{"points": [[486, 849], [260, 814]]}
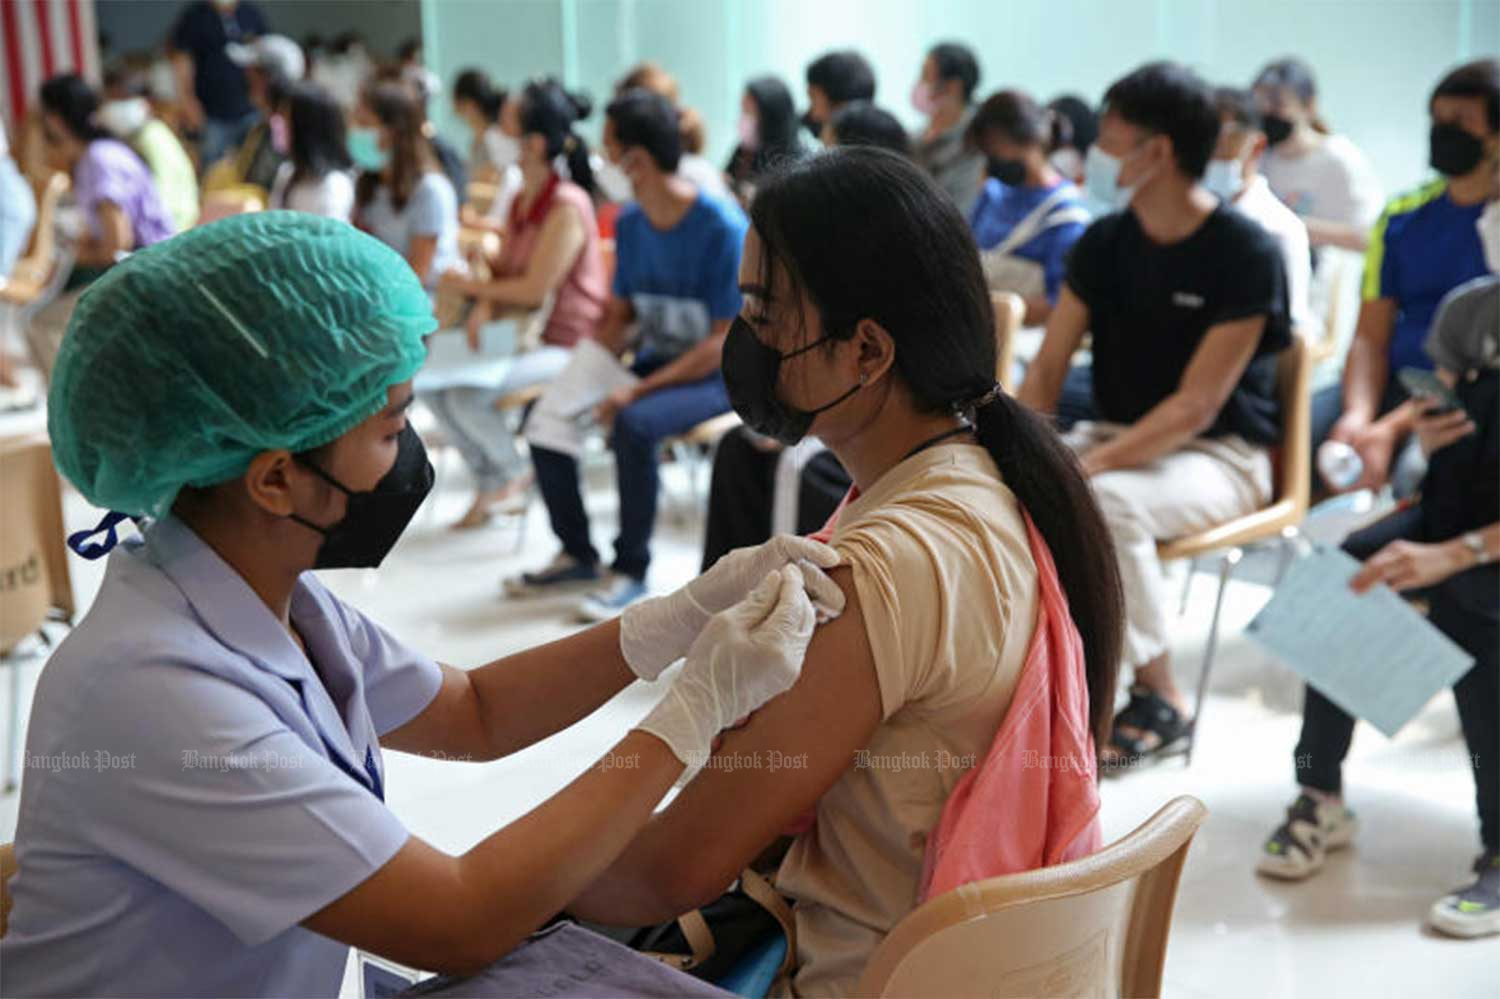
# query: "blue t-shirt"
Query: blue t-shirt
{"points": [[1001, 208], [680, 280], [202, 32], [1422, 247]]}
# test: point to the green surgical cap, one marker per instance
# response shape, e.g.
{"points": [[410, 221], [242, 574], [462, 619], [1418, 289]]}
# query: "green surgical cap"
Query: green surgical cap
{"points": [[259, 332]]}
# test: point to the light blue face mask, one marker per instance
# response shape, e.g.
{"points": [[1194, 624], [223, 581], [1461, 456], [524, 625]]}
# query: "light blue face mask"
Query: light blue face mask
{"points": [[364, 149], [1101, 180], [1225, 178]]}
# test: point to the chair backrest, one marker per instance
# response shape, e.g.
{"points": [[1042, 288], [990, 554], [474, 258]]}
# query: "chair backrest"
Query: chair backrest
{"points": [[1294, 371], [7, 871], [1094, 927], [34, 575], [1010, 309]]}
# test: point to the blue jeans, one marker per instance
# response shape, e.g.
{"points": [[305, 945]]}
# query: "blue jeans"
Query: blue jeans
{"points": [[220, 135], [639, 431]]}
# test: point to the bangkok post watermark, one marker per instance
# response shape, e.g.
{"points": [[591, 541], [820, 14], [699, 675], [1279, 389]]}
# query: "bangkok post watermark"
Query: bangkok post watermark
{"points": [[192, 759], [99, 761], [940, 759]]}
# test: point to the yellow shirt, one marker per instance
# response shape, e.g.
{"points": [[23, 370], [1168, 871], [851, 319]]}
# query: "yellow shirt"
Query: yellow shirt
{"points": [[948, 592]]}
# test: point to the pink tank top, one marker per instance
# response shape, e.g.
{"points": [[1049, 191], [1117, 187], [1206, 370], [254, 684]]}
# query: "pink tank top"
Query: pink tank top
{"points": [[578, 304]]}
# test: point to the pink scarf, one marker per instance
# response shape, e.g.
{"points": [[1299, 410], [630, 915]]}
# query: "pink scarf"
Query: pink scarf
{"points": [[1034, 800]]}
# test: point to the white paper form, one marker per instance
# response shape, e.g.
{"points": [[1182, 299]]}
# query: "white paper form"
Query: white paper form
{"points": [[565, 411], [1373, 655]]}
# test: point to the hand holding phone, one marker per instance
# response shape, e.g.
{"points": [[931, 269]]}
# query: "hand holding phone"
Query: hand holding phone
{"points": [[1427, 385]]}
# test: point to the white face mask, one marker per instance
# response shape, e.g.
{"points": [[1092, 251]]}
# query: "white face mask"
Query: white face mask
{"points": [[123, 119], [504, 149], [1067, 162], [1489, 235], [1225, 178], [614, 182], [1101, 179]]}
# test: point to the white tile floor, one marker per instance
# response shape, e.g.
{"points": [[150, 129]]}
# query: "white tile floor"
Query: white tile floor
{"points": [[1355, 930]]}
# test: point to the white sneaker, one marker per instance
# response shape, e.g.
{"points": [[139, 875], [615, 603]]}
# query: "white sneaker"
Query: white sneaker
{"points": [[1298, 847], [606, 604], [1472, 911]]}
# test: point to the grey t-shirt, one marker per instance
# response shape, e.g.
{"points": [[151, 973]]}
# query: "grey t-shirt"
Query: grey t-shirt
{"points": [[1466, 331], [431, 210]]}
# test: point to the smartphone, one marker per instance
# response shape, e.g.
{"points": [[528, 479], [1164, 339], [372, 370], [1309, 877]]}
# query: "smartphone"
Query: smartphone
{"points": [[1427, 385]]}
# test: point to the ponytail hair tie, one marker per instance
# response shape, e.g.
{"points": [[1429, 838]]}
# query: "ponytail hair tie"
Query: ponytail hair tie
{"points": [[982, 400]]}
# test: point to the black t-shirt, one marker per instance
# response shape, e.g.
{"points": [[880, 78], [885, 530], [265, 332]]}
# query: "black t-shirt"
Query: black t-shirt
{"points": [[202, 32], [1150, 306]]}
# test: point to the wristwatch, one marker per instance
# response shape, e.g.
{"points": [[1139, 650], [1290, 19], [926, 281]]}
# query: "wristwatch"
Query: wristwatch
{"points": [[1474, 541]]}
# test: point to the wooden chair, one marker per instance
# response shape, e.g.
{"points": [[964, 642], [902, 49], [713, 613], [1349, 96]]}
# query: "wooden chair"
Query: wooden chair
{"points": [[1094, 927], [1278, 521], [1010, 310], [7, 871], [35, 585]]}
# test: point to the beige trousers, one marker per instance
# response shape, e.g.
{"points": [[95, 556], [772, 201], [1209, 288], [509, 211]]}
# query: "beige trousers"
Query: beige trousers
{"points": [[1203, 483]]}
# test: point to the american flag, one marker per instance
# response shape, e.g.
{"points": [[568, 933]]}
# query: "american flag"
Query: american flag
{"points": [[38, 40]]}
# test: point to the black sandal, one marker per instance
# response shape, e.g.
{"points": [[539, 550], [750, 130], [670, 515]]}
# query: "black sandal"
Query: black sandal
{"points": [[1152, 715]]}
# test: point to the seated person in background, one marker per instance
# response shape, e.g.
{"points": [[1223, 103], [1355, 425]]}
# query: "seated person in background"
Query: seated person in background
{"points": [[768, 134], [833, 80], [1424, 245], [127, 115], [1028, 216], [17, 209], [403, 198], [1321, 176], [549, 260], [944, 95], [318, 176], [272, 63], [492, 150], [677, 250], [446, 154], [1083, 129], [696, 168], [1186, 302], [477, 102], [1234, 175], [1442, 549], [113, 190], [17, 219], [866, 322], [861, 123]]}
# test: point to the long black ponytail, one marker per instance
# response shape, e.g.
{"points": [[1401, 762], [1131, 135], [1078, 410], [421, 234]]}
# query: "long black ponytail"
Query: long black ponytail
{"points": [[550, 111], [865, 234]]}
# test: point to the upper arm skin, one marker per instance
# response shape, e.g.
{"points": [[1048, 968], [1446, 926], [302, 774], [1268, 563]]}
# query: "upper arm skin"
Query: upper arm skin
{"points": [[1217, 364], [690, 852], [1066, 325], [420, 253]]}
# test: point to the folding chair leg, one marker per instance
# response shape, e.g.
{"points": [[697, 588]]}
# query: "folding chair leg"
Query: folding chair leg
{"points": [[1187, 586], [1227, 564], [1289, 538], [13, 734]]}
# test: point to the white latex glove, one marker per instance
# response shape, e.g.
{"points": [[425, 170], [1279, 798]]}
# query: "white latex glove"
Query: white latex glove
{"points": [[656, 633], [744, 657]]}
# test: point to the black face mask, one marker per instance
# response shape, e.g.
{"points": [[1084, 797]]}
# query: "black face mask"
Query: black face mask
{"points": [[1454, 152], [374, 520], [1011, 173], [1277, 129], [751, 371]]}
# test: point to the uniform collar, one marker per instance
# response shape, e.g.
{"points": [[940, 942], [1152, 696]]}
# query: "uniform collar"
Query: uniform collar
{"points": [[235, 615], [222, 600]]}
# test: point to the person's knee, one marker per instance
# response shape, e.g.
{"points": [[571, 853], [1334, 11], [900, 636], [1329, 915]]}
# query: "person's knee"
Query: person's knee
{"points": [[1115, 493], [635, 430]]}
